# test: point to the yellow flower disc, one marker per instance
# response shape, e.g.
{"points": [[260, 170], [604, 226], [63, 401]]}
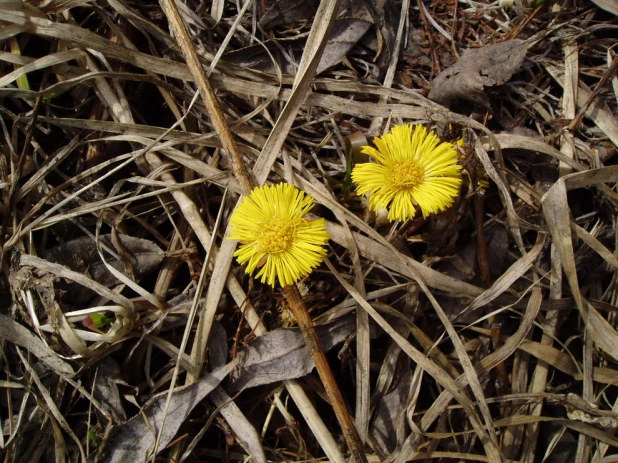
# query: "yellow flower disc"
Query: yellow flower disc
{"points": [[275, 236], [412, 169]]}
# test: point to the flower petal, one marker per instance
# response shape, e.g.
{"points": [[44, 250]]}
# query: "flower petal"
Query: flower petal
{"points": [[422, 153], [285, 206]]}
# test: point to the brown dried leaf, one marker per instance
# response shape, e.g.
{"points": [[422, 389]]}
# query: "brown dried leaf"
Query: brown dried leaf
{"points": [[607, 5], [242, 427], [282, 354], [345, 34], [389, 413], [106, 389], [353, 21], [288, 11], [476, 69], [133, 440], [81, 255]]}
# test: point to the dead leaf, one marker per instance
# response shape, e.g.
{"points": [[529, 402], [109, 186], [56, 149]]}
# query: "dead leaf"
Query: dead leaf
{"points": [[233, 415], [345, 34], [389, 413], [288, 11], [607, 5], [80, 255], [132, 441], [476, 69], [353, 21], [106, 389], [282, 354]]}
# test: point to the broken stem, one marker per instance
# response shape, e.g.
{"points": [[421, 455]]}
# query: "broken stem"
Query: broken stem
{"points": [[297, 305]]}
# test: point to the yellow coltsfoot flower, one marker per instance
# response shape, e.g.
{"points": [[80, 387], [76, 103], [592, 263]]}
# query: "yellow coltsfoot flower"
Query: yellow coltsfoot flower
{"points": [[270, 223], [412, 169]]}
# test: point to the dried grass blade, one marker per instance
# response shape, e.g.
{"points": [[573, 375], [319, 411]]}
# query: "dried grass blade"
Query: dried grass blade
{"points": [[507, 141], [239, 423], [207, 93], [513, 342], [316, 42], [518, 420], [15, 333], [569, 97], [220, 272], [429, 366], [216, 10], [299, 396], [363, 343], [50, 164], [63, 272], [53, 408], [598, 111], [441, 403], [41, 63], [513, 219], [381, 254], [615, 78], [556, 211], [124, 279], [21, 22], [509, 277], [66, 331], [595, 244], [146, 132]]}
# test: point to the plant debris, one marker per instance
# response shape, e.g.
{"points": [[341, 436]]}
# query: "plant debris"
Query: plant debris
{"points": [[477, 69], [129, 132]]}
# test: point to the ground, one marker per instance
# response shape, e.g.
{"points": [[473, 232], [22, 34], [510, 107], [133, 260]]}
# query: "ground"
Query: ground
{"points": [[482, 331]]}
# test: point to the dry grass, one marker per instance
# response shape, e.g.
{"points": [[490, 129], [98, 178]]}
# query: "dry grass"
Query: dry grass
{"points": [[487, 333]]}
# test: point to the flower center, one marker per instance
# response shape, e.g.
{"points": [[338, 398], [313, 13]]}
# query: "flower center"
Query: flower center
{"points": [[277, 236], [407, 174]]}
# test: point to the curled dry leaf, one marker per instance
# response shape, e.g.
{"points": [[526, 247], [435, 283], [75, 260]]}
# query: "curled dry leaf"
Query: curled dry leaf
{"points": [[476, 69]]}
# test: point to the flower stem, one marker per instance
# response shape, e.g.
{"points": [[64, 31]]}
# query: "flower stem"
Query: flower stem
{"points": [[297, 305]]}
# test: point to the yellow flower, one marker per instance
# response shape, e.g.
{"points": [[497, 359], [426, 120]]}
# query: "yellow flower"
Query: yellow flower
{"points": [[412, 168], [274, 234]]}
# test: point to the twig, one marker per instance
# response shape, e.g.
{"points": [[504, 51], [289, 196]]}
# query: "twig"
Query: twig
{"points": [[479, 208], [212, 104], [246, 184], [297, 305], [434, 54], [580, 115]]}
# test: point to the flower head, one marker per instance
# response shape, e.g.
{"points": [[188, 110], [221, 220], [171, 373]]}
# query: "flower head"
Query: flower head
{"points": [[412, 168], [275, 235]]}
